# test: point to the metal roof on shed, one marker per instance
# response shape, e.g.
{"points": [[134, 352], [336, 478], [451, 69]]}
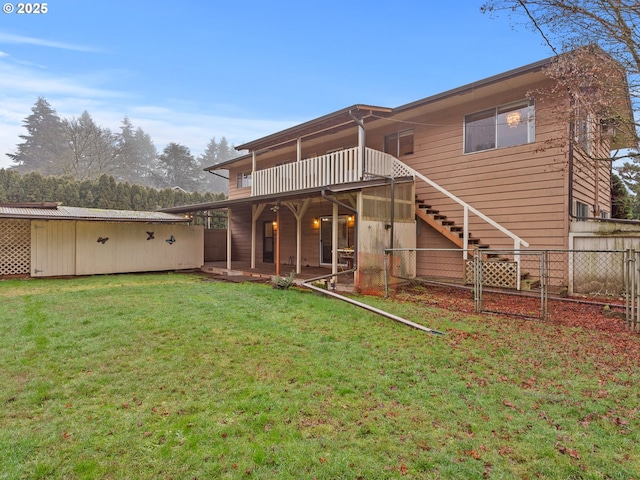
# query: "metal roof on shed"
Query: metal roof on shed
{"points": [[59, 212]]}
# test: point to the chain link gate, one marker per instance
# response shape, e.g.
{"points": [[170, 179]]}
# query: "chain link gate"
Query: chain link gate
{"points": [[632, 289], [530, 303]]}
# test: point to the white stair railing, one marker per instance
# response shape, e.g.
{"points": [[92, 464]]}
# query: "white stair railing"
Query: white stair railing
{"points": [[518, 242]]}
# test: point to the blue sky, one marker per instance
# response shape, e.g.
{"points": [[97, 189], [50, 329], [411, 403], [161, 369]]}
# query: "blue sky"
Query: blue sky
{"points": [[191, 70]]}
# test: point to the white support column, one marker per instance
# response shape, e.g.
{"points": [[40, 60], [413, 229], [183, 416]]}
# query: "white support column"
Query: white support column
{"points": [[253, 172], [362, 145], [334, 241], [228, 239], [299, 150], [465, 233]]}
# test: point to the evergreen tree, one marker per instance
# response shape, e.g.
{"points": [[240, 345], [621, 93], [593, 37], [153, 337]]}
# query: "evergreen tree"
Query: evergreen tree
{"points": [[214, 154], [621, 201], [35, 188], [44, 144], [10, 186], [178, 168], [136, 155], [106, 192]]}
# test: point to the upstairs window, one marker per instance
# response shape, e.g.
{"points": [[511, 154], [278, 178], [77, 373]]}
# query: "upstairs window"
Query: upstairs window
{"points": [[504, 126], [582, 210], [243, 180], [585, 128], [399, 144]]}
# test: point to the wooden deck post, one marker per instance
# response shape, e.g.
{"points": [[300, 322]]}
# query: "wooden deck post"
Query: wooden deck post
{"points": [[228, 239], [277, 233]]}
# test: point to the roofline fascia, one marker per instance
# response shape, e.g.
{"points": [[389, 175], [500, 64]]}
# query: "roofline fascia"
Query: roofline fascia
{"points": [[305, 125], [516, 72], [280, 197]]}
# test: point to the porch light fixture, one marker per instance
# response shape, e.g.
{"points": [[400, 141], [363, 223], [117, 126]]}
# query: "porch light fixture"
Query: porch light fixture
{"points": [[275, 225], [316, 222], [513, 119]]}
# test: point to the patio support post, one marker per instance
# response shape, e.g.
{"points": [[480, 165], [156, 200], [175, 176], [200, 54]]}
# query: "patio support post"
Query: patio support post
{"points": [[334, 242], [256, 211], [229, 239], [253, 236], [277, 232], [298, 209], [299, 149]]}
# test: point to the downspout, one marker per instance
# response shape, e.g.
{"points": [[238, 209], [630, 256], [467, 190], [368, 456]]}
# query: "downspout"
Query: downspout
{"points": [[572, 129], [362, 142], [393, 211], [217, 174]]}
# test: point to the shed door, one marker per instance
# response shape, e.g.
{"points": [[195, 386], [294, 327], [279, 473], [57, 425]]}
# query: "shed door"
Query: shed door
{"points": [[53, 248]]}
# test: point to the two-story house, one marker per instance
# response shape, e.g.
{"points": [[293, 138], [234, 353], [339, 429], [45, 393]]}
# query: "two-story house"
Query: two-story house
{"points": [[502, 163]]}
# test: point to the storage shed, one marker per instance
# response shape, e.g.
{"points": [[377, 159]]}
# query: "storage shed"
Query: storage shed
{"points": [[44, 240]]}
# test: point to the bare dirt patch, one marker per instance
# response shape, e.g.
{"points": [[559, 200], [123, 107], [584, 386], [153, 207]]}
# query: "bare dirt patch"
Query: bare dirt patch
{"points": [[603, 319]]}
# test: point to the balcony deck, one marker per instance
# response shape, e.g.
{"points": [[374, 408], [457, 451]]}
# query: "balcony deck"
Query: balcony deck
{"points": [[336, 168]]}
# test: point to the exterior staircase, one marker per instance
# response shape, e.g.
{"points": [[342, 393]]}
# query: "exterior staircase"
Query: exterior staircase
{"points": [[448, 228]]}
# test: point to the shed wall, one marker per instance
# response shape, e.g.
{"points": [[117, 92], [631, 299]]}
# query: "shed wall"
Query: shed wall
{"points": [[53, 248], [129, 247], [15, 247]]}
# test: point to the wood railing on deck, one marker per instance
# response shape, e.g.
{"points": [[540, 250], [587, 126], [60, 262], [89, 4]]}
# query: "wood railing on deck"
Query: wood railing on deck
{"points": [[342, 166]]}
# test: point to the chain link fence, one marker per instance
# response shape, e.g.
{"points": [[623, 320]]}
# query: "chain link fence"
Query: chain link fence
{"points": [[520, 282]]}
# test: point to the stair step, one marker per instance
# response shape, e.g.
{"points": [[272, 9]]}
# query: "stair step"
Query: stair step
{"points": [[451, 227], [428, 210]]}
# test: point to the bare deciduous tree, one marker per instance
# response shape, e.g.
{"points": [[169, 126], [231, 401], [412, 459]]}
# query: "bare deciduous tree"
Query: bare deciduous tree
{"points": [[92, 149], [610, 90]]}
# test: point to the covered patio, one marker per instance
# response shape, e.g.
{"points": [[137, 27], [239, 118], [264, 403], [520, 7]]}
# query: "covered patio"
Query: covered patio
{"points": [[242, 270]]}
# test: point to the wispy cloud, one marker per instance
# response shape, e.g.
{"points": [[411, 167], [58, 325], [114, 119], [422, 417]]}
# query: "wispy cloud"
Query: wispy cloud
{"points": [[167, 120], [24, 40], [20, 79]]}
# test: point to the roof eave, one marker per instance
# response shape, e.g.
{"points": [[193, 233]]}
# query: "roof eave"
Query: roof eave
{"points": [[307, 128]]}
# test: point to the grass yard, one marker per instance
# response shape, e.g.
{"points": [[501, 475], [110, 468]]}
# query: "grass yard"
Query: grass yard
{"points": [[174, 376]]}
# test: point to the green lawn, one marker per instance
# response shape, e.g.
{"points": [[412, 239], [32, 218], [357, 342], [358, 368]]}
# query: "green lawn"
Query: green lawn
{"points": [[172, 376]]}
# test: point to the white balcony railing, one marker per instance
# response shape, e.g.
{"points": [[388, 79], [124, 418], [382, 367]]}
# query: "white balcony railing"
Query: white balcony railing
{"points": [[342, 166]]}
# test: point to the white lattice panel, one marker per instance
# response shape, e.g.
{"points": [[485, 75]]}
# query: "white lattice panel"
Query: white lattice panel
{"points": [[495, 274], [401, 170], [15, 247]]}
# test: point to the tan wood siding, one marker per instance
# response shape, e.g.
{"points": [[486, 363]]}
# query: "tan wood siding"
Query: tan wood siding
{"points": [[521, 187], [241, 233]]}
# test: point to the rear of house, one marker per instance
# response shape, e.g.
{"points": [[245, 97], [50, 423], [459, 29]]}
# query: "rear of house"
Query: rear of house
{"points": [[495, 164]]}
